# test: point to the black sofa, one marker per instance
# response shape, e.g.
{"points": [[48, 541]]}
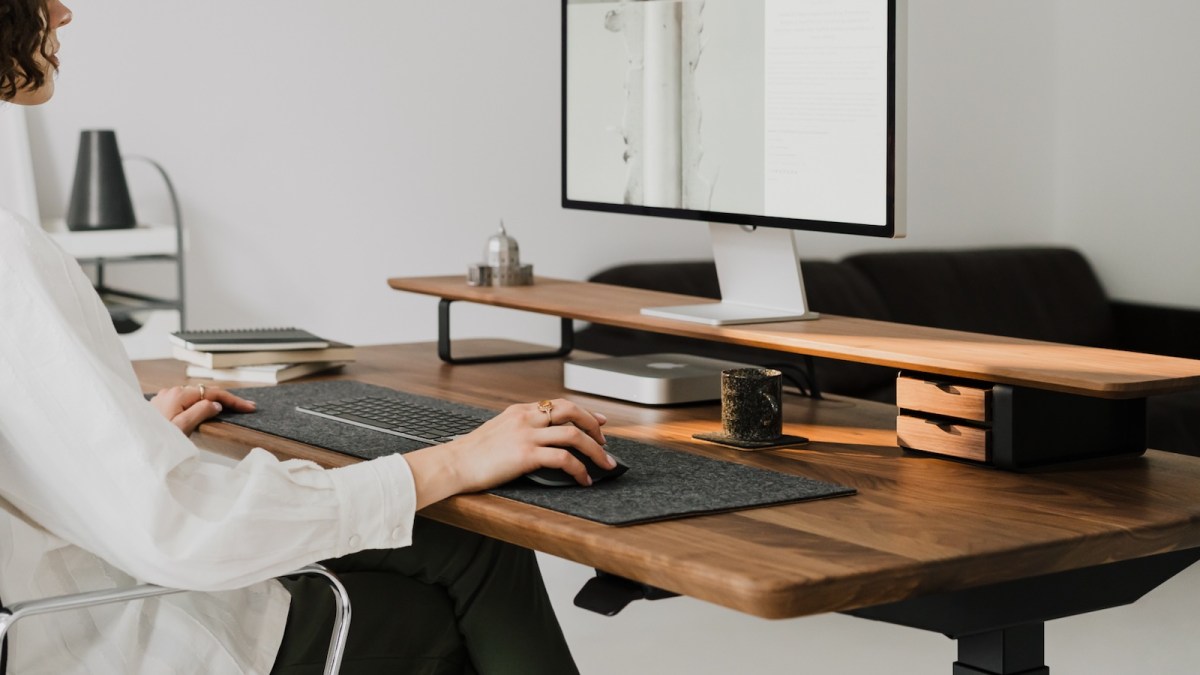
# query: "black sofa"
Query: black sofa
{"points": [[1038, 293]]}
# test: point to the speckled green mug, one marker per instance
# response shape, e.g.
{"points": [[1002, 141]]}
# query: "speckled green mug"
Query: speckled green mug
{"points": [[752, 404]]}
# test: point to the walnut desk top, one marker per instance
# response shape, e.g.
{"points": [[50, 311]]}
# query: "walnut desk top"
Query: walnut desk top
{"points": [[917, 526]]}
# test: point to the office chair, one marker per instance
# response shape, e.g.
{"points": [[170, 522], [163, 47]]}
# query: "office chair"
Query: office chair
{"points": [[337, 643]]}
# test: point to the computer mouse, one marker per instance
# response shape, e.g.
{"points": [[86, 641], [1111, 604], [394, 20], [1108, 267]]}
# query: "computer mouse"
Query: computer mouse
{"points": [[560, 478]]}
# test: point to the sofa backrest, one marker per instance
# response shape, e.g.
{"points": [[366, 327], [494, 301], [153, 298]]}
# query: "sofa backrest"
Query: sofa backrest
{"points": [[1037, 293], [831, 287]]}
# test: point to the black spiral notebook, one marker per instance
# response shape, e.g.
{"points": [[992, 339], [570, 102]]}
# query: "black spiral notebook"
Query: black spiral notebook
{"points": [[248, 339]]}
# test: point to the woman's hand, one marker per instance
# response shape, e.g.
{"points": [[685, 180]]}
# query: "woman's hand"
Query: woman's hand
{"points": [[187, 407], [523, 438]]}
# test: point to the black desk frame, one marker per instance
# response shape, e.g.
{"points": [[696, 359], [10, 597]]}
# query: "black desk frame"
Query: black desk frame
{"points": [[1000, 628]]}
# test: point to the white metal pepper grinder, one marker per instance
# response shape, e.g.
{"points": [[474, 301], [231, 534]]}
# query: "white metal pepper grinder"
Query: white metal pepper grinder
{"points": [[502, 263]]}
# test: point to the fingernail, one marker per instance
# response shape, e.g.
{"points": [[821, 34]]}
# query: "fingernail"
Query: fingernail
{"points": [[587, 480], [252, 404], [612, 462], [217, 406]]}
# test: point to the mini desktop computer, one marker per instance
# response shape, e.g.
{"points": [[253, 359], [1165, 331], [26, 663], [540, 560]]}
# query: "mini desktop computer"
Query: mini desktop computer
{"points": [[649, 379]]}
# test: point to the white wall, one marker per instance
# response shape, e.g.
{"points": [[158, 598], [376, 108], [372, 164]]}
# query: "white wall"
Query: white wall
{"points": [[1128, 143], [320, 150]]}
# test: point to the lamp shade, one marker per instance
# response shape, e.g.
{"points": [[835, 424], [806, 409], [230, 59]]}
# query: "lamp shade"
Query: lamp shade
{"points": [[100, 196]]}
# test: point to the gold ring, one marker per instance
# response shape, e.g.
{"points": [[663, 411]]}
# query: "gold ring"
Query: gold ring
{"points": [[546, 405], [202, 397]]}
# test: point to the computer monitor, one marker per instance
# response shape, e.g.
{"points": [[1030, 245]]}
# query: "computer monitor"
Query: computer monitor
{"points": [[758, 116]]}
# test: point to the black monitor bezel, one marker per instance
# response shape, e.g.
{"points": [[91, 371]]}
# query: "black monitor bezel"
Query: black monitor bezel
{"points": [[887, 231]]}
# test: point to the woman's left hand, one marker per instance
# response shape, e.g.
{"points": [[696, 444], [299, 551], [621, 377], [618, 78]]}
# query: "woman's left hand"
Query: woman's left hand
{"points": [[187, 407]]}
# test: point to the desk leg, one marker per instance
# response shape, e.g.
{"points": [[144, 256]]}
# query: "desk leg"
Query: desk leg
{"points": [[567, 337], [1000, 628], [1020, 650]]}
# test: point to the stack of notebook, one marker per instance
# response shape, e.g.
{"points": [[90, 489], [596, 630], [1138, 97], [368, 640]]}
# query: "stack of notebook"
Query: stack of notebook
{"points": [[258, 355]]}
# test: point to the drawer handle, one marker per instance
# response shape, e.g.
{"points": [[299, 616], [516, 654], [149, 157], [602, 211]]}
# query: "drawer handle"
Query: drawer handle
{"points": [[946, 388], [945, 427]]}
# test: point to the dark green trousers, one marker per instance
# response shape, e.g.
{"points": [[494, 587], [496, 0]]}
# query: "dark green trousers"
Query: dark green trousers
{"points": [[452, 603]]}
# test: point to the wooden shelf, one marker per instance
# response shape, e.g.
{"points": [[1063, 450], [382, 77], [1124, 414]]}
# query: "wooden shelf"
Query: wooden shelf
{"points": [[1086, 371]]}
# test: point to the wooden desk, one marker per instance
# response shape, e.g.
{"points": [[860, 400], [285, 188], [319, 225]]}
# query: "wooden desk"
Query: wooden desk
{"points": [[964, 550]]}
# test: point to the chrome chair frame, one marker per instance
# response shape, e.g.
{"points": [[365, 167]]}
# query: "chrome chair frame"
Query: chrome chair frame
{"points": [[337, 642]]}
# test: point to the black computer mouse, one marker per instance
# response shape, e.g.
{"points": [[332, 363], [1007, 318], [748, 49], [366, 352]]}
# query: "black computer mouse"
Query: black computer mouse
{"points": [[560, 478]]}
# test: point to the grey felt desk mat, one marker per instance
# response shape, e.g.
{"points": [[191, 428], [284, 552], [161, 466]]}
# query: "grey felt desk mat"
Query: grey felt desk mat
{"points": [[661, 483]]}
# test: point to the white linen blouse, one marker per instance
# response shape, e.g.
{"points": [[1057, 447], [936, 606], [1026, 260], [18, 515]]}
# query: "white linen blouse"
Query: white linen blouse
{"points": [[98, 490]]}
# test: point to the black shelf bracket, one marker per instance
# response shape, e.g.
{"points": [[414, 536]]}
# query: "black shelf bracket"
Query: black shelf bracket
{"points": [[608, 594], [566, 344]]}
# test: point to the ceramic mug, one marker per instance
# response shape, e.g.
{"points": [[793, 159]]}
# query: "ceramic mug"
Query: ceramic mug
{"points": [[752, 404]]}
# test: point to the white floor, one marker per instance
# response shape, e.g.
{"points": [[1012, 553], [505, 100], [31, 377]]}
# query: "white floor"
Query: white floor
{"points": [[1156, 635]]}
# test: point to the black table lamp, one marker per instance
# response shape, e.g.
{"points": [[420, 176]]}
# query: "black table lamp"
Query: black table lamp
{"points": [[100, 196]]}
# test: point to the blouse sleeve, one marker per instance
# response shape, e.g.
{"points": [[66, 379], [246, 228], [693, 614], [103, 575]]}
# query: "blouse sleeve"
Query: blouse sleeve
{"points": [[85, 456]]}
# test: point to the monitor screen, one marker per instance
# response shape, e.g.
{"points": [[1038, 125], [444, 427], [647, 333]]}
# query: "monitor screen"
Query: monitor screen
{"points": [[780, 113]]}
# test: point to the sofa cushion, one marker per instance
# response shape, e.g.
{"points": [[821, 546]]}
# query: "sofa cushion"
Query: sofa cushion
{"points": [[1037, 293]]}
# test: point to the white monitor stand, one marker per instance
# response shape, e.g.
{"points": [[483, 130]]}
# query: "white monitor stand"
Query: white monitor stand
{"points": [[759, 274]]}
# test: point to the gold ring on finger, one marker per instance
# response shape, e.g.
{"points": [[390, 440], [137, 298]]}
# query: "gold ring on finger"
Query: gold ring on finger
{"points": [[546, 405]]}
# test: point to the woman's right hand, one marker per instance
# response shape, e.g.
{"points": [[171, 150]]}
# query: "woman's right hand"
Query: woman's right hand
{"points": [[187, 407], [523, 438]]}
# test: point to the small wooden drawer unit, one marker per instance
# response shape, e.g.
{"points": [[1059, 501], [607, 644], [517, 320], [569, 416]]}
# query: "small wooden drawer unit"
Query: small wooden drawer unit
{"points": [[1013, 427], [944, 417]]}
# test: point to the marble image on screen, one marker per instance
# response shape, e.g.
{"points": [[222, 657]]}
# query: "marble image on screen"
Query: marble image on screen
{"points": [[763, 107]]}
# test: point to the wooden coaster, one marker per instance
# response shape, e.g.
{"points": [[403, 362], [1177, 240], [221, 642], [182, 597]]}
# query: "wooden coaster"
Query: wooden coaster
{"points": [[721, 439]]}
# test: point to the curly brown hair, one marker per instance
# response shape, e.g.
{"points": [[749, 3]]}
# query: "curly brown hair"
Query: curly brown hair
{"points": [[23, 36]]}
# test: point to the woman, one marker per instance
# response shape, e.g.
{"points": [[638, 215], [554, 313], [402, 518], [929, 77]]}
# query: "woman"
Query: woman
{"points": [[97, 487]]}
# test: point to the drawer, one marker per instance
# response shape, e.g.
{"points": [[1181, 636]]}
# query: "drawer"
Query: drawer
{"points": [[944, 438], [961, 401]]}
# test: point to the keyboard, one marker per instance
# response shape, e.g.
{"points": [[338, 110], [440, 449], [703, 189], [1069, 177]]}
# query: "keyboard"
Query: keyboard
{"points": [[393, 416]]}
